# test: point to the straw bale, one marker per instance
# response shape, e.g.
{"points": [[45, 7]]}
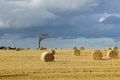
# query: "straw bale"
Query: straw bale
{"points": [[7, 48], [82, 48], [97, 55], [18, 49], [114, 48], [112, 54], [76, 52], [28, 49], [74, 48], [47, 57]]}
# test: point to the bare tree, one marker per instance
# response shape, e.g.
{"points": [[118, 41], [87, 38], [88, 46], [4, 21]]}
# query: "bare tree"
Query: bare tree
{"points": [[41, 37]]}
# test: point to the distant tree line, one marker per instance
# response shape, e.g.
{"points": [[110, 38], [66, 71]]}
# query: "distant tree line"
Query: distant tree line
{"points": [[10, 48]]}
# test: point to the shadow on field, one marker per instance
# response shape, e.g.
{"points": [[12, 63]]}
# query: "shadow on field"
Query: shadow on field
{"points": [[62, 61], [106, 59], [12, 75], [112, 58]]}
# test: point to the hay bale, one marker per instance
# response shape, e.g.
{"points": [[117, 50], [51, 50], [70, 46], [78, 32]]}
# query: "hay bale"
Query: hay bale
{"points": [[22, 49], [51, 51], [61, 48], [28, 49], [82, 48], [7, 48], [114, 48], [4, 48], [55, 48], [97, 55], [47, 57], [42, 48], [76, 52], [74, 48], [112, 54], [18, 49]]}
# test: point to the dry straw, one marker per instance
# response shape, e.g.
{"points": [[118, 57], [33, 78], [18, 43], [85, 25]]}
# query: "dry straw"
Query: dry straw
{"points": [[47, 57], [114, 48], [76, 52], [112, 54], [97, 55], [82, 48], [106, 49], [74, 48]]}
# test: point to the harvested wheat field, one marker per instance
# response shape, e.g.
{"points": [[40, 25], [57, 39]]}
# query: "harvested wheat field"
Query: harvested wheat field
{"points": [[27, 65]]}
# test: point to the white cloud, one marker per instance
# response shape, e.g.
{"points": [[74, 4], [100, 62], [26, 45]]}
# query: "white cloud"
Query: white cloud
{"points": [[80, 16], [36, 3], [28, 13], [68, 5], [4, 23], [102, 19], [1, 23], [108, 15]]}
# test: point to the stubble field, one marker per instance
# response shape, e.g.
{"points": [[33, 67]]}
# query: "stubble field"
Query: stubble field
{"points": [[27, 65]]}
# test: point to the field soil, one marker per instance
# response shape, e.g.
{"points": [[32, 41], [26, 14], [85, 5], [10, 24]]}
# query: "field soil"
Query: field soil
{"points": [[27, 65]]}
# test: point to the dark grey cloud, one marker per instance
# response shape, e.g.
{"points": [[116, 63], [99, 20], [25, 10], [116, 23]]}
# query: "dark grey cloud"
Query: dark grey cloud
{"points": [[69, 20], [18, 14]]}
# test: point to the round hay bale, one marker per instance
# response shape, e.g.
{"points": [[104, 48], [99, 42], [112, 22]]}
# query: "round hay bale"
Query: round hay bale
{"points": [[74, 48], [112, 54], [55, 48], [82, 48], [28, 49], [61, 48], [18, 49], [76, 52], [47, 57], [7, 48], [4, 48], [52, 51], [21, 48], [97, 55], [42, 48], [114, 48]]}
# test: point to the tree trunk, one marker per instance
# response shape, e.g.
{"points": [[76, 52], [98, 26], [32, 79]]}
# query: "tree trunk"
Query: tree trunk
{"points": [[39, 44]]}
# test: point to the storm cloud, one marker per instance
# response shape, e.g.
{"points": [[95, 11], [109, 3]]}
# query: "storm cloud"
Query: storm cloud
{"points": [[73, 19]]}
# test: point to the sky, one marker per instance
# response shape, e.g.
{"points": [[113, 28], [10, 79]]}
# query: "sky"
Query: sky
{"points": [[88, 23]]}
